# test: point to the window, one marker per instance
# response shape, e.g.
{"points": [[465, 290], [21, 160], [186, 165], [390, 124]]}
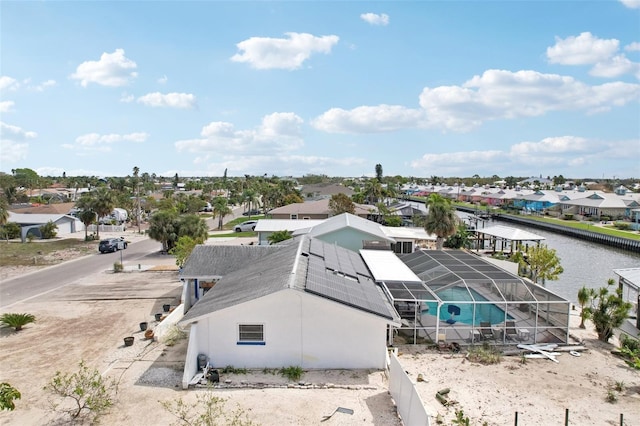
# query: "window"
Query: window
{"points": [[250, 334], [403, 247], [294, 216]]}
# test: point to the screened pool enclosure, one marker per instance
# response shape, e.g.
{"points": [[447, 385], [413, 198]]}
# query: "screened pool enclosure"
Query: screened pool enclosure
{"points": [[454, 296]]}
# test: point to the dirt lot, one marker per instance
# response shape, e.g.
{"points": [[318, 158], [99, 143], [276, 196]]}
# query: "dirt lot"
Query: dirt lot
{"points": [[88, 321]]}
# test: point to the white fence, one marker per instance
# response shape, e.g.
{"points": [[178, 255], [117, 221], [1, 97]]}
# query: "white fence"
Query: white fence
{"points": [[107, 228], [404, 393]]}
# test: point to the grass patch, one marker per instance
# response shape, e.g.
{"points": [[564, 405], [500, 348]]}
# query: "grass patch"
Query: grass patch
{"points": [[234, 234], [230, 369], [484, 354], [234, 222], [293, 373], [586, 226], [38, 252]]}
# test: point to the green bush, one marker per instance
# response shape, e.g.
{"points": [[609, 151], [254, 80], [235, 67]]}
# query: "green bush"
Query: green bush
{"points": [[293, 373], [17, 321], [605, 218], [7, 394], [117, 267], [207, 410], [49, 230], [567, 216], [84, 393], [10, 231], [623, 226]]}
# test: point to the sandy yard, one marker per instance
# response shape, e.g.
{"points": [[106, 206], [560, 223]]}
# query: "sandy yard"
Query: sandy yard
{"points": [[88, 321]]}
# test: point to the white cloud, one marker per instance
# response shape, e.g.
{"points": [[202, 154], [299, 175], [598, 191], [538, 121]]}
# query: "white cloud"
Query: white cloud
{"points": [[615, 67], [14, 144], [10, 132], [8, 83], [172, 100], [496, 94], [282, 53], [633, 47], [278, 133], [12, 152], [581, 50], [375, 19], [631, 4], [554, 145], [587, 49], [163, 79], [42, 86], [126, 98], [113, 69], [95, 142], [6, 106], [368, 119], [556, 153]]}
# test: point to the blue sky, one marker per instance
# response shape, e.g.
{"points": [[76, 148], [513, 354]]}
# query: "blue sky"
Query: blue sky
{"points": [[446, 88]]}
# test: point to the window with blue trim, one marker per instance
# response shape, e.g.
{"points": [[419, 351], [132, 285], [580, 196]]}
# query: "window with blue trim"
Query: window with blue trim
{"points": [[251, 334]]}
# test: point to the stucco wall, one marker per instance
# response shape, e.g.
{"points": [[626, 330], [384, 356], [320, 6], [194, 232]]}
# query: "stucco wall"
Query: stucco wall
{"points": [[300, 330]]}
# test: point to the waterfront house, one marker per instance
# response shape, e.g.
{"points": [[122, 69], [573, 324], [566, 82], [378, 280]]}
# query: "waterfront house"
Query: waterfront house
{"points": [[308, 303]]}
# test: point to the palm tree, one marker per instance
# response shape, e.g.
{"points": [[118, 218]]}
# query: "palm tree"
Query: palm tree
{"points": [[103, 203], [585, 295], [87, 217], [162, 229], [441, 218], [373, 191], [220, 209], [250, 199]]}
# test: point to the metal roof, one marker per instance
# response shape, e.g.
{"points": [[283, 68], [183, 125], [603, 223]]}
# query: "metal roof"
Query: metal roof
{"points": [[509, 233], [36, 219], [386, 266], [630, 275], [347, 220]]}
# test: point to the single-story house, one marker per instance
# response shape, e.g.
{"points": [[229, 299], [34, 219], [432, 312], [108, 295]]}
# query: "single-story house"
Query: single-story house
{"points": [[325, 190], [295, 306], [30, 223], [354, 233], [208, 264], [313, 210], [266, 227]]}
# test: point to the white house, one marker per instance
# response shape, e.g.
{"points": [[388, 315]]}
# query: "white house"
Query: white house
{"points": [[309, 304], [30, 223]]}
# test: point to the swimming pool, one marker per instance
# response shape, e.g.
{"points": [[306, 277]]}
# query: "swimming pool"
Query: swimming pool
{"points": [[485, 312]]}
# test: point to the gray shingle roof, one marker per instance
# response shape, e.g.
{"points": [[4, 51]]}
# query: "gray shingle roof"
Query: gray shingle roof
{"points": [[302, 264], [217, 261]]}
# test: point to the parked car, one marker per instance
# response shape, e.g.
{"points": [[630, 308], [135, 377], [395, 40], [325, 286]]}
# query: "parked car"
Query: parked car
{"points": [[111, 245], [249, 225], [254, 212]]}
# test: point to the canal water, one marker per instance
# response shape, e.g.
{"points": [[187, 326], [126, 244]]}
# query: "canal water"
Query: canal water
{"points": [[584, 263]]}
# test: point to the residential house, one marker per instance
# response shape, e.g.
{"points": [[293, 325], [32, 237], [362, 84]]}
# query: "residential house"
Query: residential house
{"points": [[313, 210], [297, 305], [326, 190], [30, 223], [208, 264], [599, 204]]}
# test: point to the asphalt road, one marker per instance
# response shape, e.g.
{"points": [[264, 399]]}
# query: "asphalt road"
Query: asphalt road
{"points": [[39, 283]]}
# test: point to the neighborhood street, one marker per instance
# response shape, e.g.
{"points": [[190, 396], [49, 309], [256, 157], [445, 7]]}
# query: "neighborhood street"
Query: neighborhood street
{"points": [[38, 283]]}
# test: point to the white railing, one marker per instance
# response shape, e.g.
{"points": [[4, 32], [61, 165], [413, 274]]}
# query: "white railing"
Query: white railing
{"points": [[403, 391], [107, 228]]}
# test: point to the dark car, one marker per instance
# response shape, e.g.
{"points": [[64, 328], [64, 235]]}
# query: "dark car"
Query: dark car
{"points": [[111, 245], [254, 212]]}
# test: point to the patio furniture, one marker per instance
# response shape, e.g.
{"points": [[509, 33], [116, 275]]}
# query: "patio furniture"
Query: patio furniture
{"points": [[485, 330], [510, 331]]}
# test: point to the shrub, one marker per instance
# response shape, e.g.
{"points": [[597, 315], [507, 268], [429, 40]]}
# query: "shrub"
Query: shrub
{"points": [[623, 226], [568, 216], [7, 394], [207, 410], [117, 267], [17, 321], [293, 373], [608, 310], [230, 369], [484, 354], [49, 230], [82, 394], [10, 231], [605, 218], [173, 335]]}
